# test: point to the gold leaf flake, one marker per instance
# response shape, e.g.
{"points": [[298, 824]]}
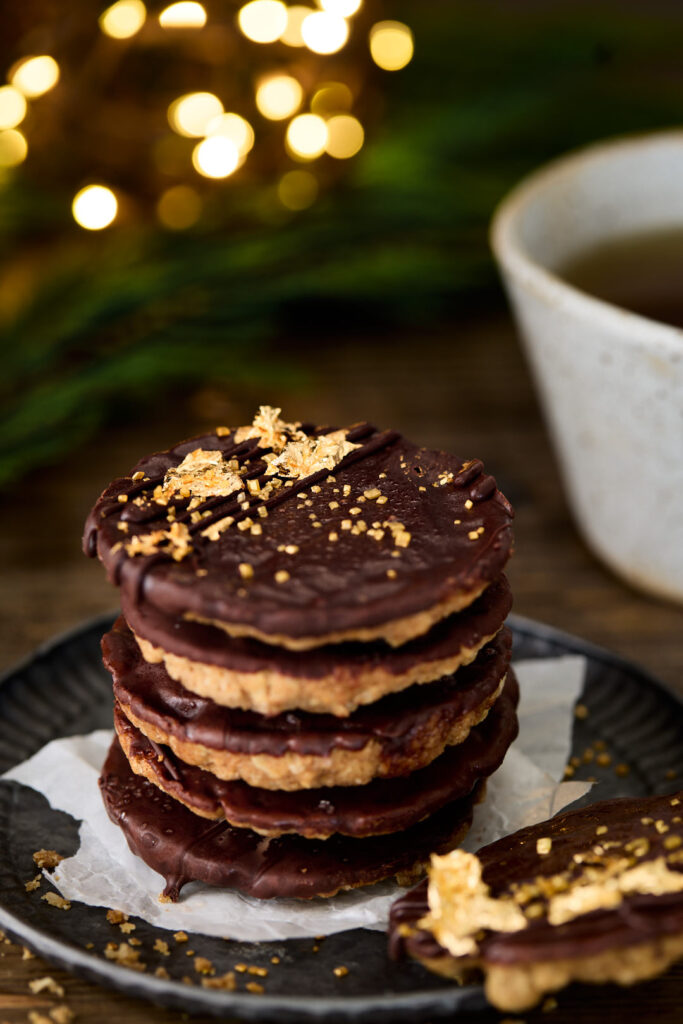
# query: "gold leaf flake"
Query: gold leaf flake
{"points": [[307, 455], [271, 431], [201, 474]]}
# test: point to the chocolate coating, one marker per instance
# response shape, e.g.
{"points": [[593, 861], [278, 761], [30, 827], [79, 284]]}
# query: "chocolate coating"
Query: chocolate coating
{"points": [[379, 807], [208, 644], [639, 918], [332, 586], [184, 847], [153, 696]]}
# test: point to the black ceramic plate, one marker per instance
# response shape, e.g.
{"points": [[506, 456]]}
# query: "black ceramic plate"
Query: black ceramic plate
{"points": [[63, 689]]}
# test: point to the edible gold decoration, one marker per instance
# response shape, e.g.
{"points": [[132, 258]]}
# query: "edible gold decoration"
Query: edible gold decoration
{"points": [[201, 474], [271, 431], [303, 457]]}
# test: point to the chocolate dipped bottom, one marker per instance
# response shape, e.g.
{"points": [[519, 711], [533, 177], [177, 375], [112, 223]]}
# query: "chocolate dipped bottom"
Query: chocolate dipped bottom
{"points": [[642, 830], [149, 695], [184, 847], [380, 807], [404, 537]]}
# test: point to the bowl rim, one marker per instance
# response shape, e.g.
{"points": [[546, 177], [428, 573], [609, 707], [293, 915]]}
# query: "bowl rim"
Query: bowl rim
{"points": [[549, 287]]}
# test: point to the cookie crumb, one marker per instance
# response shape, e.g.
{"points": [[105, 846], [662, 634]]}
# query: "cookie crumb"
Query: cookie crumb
{"points": [[46, 984], [161, 947], [161, 972], [47, 858], [33, 884], [255, 988], [203, 965], [61, 1014], [340, 972], [581, 711], [55, 900], [227, 982], [180, 936]]}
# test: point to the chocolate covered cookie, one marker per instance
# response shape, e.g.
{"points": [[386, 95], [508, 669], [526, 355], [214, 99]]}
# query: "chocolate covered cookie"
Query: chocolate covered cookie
{"points": [[592, 895], [303, 536], [296, 750]]}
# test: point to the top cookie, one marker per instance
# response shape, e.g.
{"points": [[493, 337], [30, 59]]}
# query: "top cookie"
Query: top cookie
{"points": [[301, 536]]}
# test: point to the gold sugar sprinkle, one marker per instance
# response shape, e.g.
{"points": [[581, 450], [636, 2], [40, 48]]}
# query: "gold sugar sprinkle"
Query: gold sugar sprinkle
{"points": [[281, 576], [544, 845], [469, 504], [246, 570], [341, 971], [581, 711], [601, 830]]}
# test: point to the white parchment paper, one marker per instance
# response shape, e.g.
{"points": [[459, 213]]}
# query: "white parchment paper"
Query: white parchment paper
{"points": [[104, 873]]}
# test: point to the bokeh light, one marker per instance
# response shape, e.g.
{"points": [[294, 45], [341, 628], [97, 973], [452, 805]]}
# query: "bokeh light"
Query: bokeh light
{"points": [[233, 127], [179, 207], [185, 14], [278, 96], [13, 148], [331, 98], [306, 136], [295, 17], [94, 207], [391, 45], [263, 21], [297, 189], [345, 136], [216, 157], [324, 33], [12, 107], [123, 19], [35, 76], [343, 8], [191, 114]]}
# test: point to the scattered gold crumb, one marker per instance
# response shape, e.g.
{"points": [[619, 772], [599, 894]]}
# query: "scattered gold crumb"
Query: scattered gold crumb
{"points": [[647, 821], [26, 953], [604, 759], [33, 884], [180, 936], [544, 845], [473, 535], [275, 959], [341, 972], [392, 574], [241, 968], [203, 965], [355, 511], [187, 980], [260, 972], [116, 916], [622, 769], [672, 842], [123, 498], [135, 942], [47, 858], [61, 1014], [661, 827], [581, 711], [124, 955], [601, 830], [281, 576], [469, 504], [333, 536], [382, 500], [255, 988], [137, 476], [569, 771], [161, 972], [38, 1018], [674, 802], [346, 524], [55, 900], [291, 549], [189, 952], [246, 570], [227, 982], [222, 431], [256, 530], [161, 947], [46, 984]]}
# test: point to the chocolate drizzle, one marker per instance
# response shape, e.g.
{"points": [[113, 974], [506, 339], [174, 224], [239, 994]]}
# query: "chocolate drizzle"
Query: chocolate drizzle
{"points": [[379, 807], [154, 697]]}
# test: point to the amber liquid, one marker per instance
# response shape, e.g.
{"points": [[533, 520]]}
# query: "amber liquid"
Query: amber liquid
{"points": [[641, 273]]}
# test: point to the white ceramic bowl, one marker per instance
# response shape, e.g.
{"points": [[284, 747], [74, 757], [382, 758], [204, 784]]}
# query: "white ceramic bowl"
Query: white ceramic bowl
{"points": [[610, 381]]}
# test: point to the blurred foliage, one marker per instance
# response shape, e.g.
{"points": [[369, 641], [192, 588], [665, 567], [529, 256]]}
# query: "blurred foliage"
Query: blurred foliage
{"points": [[495, 89]]}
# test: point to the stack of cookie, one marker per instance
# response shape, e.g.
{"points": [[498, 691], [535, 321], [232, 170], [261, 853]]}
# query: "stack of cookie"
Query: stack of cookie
{"points": [[311, 673]]}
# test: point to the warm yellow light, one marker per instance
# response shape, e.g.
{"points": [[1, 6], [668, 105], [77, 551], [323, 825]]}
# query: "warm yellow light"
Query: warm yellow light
{"points": [[343, 8], [331, 98], [13, 148], [297, 189], [306, 136], [235, 128], [123, 19], [94, 207], [391, 45], [263, 21], [179, 208], [295, 17], [185, 14], [12, 107], [191, 114], [345, 136], [35, 75], [324, 33], [216, 157], [278, 96]]}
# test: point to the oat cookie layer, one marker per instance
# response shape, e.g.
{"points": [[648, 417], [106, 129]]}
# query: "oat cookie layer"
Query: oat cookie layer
{"points": [[593, 895], [380, 807], [336, 679], [303, 536]]}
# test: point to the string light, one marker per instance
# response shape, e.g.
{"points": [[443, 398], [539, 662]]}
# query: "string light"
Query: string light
{"points": [[278, 96], [391, 45], [345, 136], [94, 207], [324, 33], [185, 14], [295, 18], [13, 148], [123, 19], [179, 207], [191, 114], [34, 76], [12, 107], [216, 157], [235, 128], [297, 189], [306, 136], [343, 8], [331, 98], [263, 21]]}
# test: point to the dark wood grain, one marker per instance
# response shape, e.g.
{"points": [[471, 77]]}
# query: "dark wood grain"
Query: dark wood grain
{"points": [[465, 389]]}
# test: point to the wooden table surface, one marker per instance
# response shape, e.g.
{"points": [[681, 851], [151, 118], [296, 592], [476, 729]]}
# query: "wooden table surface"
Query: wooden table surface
{"points": [[465, 388]]}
